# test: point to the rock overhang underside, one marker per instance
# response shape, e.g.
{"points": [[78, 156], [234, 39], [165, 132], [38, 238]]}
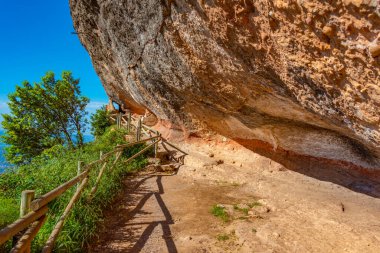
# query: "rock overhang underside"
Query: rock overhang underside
{"points": [[282, 78]]}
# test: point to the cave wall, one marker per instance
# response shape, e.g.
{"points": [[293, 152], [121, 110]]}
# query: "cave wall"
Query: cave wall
{"points": [[300, 76]]}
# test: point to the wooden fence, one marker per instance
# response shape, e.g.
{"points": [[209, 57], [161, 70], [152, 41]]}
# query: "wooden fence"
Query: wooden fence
{"points": [[33, 212], [135, 124], [132, 123]]}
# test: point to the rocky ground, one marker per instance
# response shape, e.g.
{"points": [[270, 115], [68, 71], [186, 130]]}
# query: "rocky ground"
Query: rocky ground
{"points": [[263, 207]]}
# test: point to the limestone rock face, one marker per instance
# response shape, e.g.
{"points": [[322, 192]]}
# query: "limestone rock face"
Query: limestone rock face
{"points": [[289, 78]]}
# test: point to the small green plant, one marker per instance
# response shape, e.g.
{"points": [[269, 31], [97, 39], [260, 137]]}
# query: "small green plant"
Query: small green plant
{"points": [[243, 210], [223, 237], [254, 230], [220, 212]]}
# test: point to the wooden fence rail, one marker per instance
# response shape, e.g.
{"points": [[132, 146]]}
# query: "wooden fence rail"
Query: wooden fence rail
{"points": [[9, 231], [34, 212]]}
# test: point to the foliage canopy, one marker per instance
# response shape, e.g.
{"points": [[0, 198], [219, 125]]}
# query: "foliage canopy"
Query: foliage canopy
{"points": [[42, 115]]}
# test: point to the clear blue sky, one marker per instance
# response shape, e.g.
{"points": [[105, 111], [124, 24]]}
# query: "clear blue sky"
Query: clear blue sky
{"points": [[35, 37]]}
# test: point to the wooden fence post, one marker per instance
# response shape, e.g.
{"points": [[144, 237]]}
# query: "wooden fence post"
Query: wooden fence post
{"points": [[79, 169], [138, 130], [129, 122], [156, 146], [27, 197], [119, 120]]}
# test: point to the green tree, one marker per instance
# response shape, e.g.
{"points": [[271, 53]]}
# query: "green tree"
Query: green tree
{"points": [[43, 115], [100, 121]]}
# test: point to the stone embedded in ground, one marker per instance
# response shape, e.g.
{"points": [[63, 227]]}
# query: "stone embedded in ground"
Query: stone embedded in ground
{"points": [[375, 50], [166, 168], [261, 209], [242, 206], [328, 31]]}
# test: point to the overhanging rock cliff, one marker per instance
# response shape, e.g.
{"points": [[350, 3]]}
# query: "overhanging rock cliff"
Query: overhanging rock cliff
{"points": [[297, 81]]}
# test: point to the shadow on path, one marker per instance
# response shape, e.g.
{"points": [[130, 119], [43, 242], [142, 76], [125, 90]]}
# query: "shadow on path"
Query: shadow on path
{"points": [[167, 235], [128, 230]]}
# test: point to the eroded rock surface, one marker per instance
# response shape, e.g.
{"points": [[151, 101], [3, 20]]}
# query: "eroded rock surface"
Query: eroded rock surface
{"points": [[294, 80]]}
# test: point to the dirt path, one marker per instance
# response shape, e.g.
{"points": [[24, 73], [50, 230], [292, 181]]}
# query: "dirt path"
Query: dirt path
{"points": [[270, 209], [158, 209], [140, 219]]}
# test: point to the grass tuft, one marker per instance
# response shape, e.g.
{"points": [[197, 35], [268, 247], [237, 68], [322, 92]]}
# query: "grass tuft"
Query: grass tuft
{"points": [[223, 237], [220, 212], [243, 210]]}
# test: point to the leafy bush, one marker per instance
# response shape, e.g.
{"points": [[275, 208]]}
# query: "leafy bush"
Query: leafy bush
{"points": [[100, 122], [56, 166]]}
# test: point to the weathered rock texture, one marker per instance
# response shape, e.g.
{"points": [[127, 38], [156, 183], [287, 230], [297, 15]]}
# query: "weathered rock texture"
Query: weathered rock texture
{"points": [[297, 79]]}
